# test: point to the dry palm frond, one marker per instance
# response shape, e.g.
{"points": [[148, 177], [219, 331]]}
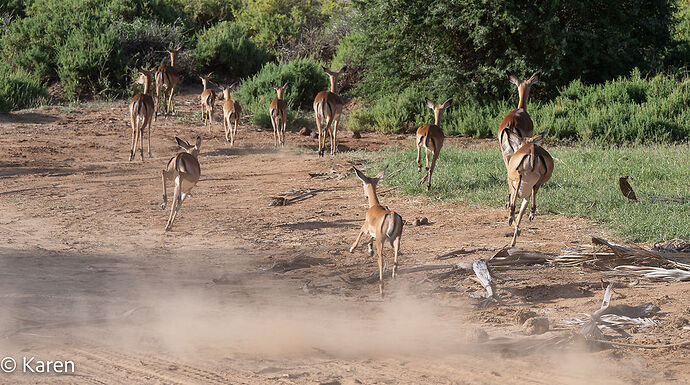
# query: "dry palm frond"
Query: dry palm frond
{"points": [[616, 322], [673, 246], [655, 272]]}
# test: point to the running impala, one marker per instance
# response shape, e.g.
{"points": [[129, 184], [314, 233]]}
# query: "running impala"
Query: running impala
{"points": [[380, 223], [231, 114], [167, 78], [328, 106], [430, 136], [184, 169], [208, 101], [141, 113], [529, 168], [278, 113]]}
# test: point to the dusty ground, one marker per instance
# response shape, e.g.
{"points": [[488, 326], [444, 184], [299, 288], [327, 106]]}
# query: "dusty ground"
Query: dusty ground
{"points": [[89, 275]]}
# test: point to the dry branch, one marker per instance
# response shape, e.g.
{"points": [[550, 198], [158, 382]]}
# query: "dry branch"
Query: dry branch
{"points": [[657, 273]]}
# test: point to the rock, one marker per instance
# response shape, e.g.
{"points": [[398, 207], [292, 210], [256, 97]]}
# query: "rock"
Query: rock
{"points": [[475, 335], [305, 131], [523, 315], [356, 134], [421, 221], [536, 325]]}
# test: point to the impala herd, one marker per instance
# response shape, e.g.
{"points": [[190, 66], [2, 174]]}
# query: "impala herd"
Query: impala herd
{"points": [[528, 165]]}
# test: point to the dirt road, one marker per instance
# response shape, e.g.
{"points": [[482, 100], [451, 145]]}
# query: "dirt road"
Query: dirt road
{"points": [[244, 293]]}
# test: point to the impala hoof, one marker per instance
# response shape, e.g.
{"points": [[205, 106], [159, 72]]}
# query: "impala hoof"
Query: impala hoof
{"points": [[531, 216], [510, 221], [352, 249]]}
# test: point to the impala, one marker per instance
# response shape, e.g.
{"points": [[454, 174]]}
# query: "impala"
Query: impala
{"points": [[184, 169], [208, 101], [529, 168], [231, 113], [167, 78], [430, 136], [328, 106], [141, 111], [380, 223], [278, 113]]}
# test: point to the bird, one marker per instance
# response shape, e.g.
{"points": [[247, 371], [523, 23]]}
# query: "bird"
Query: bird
{"points": [[626, 189]]}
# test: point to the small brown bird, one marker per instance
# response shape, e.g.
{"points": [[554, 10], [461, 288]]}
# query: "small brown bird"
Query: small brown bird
{"points": [[626, 189]]}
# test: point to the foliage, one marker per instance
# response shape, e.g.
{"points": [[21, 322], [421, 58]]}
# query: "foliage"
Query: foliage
{"points": [[306, 79], [144, 43], [205, 13], [465, 47], [584, 184], [224, 48], [18, 89]]}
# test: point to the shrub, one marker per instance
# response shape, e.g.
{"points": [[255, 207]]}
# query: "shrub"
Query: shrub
{"points": [[18, 89], [306, 79], [224, 48], [144, 43]]}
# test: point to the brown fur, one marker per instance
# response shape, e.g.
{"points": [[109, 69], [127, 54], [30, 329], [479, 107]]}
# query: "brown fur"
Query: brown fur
{"points": [[184, 169], [328, 106], [141, 110]]}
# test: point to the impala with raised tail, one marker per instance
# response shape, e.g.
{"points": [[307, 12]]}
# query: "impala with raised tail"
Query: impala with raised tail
{"points": [[380, 223], [167, 79], [529, 168], [184, 169], [208, 102], [141, 111], [430, 137], [231, 114], [328, 107], [518, 119], [278, 113]]}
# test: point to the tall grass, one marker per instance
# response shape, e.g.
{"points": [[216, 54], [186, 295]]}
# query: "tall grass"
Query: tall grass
{"points": [[584, 184], [626, 110]]}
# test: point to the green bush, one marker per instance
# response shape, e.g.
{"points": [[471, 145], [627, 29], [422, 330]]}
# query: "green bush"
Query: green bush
{"points": [[464, 47], [224, 48], [144, 43], [205, 13], [306, 79], [18, 89]]}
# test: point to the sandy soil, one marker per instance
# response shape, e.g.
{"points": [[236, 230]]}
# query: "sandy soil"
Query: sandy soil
{"points": [[89, 275]]}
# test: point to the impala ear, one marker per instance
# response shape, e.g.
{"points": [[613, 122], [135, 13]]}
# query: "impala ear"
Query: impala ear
{"points": [[447, 103], [535, 77], [537, 139], [197, 145], [381, 174], [429, 103], [183, 144], [513, 79], [514, 139], [360, 175], [343, 69], [285, 85]]}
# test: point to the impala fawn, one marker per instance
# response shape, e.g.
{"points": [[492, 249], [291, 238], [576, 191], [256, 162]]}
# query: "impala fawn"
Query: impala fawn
{"points": [[184, 169], [278, 113], [231, 114], [141, 111], [380, 223], [430, 136], [529, 168]]}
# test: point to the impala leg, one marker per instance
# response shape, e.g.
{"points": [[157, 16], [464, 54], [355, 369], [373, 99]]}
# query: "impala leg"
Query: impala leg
{"points": [[379, 250], [147, 122], [140, 136], [284, 128], [134, 134], [176, 204], [359, 236], [318, 129], [426, 174], [513, 201], [334, 145], [327, 131], [165, 189], [431, 170], [419, 154], [234, 131], [370, 247], [225, 127], [533, 211], [523, 206], [171, 105], [396, 248]]}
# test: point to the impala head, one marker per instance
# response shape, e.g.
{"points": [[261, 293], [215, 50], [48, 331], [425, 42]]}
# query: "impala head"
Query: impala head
{"points": [[333, 76], [173, 54], [226, 90], [366, 182], [205, 79], [145, 76], [524, 86], [438, 109], [516, 141], [281, 90], [193, 150]]}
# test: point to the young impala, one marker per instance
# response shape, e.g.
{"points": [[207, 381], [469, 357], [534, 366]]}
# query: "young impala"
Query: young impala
{"points": [[141, 112], [517, 120], [278, 113], [529, 168], [231, 114], [430, 136], [328, 106], [167, 78], [184, 169], [208, 101], [380, 223]]}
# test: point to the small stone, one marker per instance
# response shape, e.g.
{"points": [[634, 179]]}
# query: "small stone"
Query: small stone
{"points": [[523, 315], [305, 131], [536, 325], [356, 134], [421, 221]]}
